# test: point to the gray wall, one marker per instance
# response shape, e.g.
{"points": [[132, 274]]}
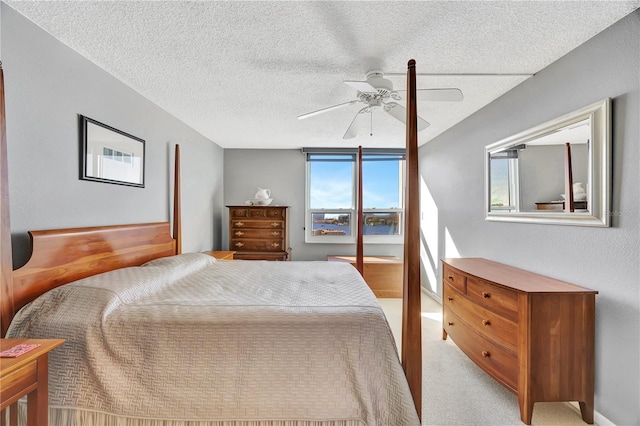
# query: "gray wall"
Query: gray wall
{"points": [[47, 86], [284, 173], [541, 171], [604, 259]]}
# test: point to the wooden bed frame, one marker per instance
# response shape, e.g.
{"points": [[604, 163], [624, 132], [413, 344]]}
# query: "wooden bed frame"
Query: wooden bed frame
{"points": [[65, 255]]}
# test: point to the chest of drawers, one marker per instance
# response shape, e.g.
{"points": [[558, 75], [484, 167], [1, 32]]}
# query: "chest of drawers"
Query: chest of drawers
{"points": [[533, 334], [259, 232]]}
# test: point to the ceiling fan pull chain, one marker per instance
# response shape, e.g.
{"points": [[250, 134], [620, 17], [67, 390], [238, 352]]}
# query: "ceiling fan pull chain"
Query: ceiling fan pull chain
{"points": [[371, 115]]}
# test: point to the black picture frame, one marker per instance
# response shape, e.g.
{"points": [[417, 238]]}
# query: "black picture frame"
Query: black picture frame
{"points": [[110, 155]]}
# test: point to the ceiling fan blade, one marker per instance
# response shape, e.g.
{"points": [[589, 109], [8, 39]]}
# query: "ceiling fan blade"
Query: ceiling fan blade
{"points": [[352, 131], [438, 95], [399, 112], [361, 86], [320, 111]]}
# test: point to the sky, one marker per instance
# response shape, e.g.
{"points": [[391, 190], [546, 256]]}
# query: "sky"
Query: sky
{"points": [[500, 182], [332, 184]]}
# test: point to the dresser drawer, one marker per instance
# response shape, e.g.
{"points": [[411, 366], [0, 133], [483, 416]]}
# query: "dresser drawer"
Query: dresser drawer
{"points": [[259, 213], [238, 212], [16, 381], [497, 299], [256, 245], [498, 362], [261, 255], [275, 213], [256, 224], [454, 278], [487, 323], [257, 233]]}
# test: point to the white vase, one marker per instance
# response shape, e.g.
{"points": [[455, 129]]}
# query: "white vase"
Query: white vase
{"points": [[263, 193]]}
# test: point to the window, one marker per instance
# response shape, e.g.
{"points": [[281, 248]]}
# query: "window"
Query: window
{"points": [[504, 181], [331, 195]]}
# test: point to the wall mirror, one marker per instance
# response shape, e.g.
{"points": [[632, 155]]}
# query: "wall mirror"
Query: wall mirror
{"points": [[526, 174]]}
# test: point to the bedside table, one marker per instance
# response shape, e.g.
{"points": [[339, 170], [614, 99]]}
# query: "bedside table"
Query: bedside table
{"points": [[221, 255], [26, 374]]}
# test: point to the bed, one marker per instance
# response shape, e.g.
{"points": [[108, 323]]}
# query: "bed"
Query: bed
{"points": [[156, 337]]}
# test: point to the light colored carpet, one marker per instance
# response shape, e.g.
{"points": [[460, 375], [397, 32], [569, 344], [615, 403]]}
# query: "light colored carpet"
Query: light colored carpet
{"points": [[455, 391]]}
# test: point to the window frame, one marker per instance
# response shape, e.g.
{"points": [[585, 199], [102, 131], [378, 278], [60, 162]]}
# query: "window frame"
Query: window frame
{"points": [[351, 239], [513, 186]]}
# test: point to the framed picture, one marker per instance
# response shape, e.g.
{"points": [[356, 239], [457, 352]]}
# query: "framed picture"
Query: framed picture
{"points": [[110, 155]]}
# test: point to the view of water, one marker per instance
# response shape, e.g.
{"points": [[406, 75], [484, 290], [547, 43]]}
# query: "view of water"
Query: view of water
{"points": [[368, 229]]}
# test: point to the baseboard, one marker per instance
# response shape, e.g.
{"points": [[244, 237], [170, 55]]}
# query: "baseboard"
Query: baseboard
{"points": [[598, 418], [432, 295]]}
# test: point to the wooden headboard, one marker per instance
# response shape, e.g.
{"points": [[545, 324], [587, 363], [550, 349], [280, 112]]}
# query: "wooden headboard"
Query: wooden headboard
{"points": [[61, 256]]}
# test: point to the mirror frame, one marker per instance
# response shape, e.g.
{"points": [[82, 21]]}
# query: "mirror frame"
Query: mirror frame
{"points": [[599, 169]]}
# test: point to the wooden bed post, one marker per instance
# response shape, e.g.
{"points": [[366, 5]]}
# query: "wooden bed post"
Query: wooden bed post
{"points": [[359, 240], [177, 207], [411, 318], [6, 263], [569, 203]]}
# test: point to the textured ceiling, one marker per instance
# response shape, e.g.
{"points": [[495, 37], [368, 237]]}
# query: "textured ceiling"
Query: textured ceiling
{"points": [[240, 72]]}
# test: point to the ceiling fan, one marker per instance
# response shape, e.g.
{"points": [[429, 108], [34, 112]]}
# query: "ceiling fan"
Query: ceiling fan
{"points": [[377, 92]]}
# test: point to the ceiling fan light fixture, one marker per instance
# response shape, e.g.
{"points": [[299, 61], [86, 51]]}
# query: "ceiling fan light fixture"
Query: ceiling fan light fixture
{"points": [[376, 79], [376, 92]]}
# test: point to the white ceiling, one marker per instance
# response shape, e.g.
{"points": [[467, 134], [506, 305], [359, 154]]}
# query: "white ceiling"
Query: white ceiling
{"points": [[240, 72]]}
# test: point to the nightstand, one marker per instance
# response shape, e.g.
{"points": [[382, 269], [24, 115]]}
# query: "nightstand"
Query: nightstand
{"points": [[221, 255], [26, 374]]}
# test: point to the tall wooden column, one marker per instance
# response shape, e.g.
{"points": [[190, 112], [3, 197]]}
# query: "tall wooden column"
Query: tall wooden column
{"points": [[411, 319], [177, 203], [6, 263], [569, 203], [360, 222]]}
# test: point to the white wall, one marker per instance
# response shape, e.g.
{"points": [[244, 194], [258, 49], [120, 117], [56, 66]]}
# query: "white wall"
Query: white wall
{"points": [[604, 259], [47, 85]]}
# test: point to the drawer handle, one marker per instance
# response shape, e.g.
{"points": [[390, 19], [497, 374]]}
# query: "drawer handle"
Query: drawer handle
{"points": [[486, 294], [275, 224], [486, 322], [274, 245], [450, 323], [239, 223], [451, 277], [450, 299], [239, 233], [239, 244], [275, 233], [486, 354]]}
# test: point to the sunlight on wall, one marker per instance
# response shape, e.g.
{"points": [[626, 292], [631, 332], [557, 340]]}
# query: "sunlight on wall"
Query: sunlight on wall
{"points": [[429, 234], [450, 249]]}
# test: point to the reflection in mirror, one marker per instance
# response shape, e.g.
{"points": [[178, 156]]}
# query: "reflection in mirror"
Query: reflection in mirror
{"points": [[527, 173]]}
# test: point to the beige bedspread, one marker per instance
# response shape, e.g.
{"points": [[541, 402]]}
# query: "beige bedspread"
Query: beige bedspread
{"points": [[189, 338]]}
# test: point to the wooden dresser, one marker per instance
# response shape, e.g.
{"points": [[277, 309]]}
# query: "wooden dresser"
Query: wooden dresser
{"points": [[259, 232], [531, 333]]}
